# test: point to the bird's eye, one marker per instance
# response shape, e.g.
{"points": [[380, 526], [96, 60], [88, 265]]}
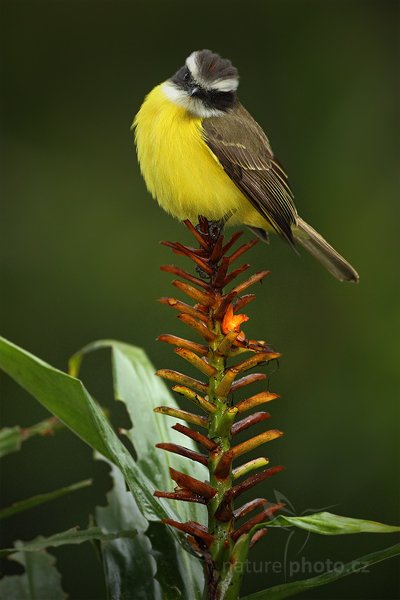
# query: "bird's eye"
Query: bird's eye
{"points": [[186, 75]]}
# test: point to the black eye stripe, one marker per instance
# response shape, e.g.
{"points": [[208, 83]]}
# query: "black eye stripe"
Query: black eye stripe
{"points": [[217, 99], [221, 100], [215, 94]]}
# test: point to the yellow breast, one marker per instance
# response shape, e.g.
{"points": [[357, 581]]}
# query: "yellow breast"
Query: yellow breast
{"points": [[179, 169]]}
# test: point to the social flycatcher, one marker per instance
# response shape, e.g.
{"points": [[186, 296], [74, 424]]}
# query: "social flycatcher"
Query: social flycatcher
{"points": [[202, 153]]}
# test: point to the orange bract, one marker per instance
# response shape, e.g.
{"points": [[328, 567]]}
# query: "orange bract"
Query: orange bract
{"points": [[232, 322]]}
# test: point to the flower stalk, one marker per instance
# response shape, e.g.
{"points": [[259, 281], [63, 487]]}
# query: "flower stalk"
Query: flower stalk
{"points": [[222, 545]]}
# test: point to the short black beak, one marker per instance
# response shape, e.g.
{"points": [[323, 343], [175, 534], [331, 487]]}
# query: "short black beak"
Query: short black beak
{"points": [[195, 91]]}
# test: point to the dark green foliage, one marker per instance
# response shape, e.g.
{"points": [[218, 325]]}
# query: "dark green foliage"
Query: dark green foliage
{"points": [[142, 558]]}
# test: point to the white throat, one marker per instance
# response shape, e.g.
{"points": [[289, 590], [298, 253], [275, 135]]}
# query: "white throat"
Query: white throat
{"points": [[193, 105]]}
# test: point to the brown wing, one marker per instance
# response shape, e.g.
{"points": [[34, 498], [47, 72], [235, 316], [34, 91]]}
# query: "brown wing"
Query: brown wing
{"points": [[244, 151]]}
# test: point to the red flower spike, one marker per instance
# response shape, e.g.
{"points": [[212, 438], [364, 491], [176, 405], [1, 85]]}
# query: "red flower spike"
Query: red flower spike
{"points": [[213, 313]]}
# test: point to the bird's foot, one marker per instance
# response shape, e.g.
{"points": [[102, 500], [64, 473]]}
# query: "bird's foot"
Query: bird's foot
{"points": [[214, 228]]}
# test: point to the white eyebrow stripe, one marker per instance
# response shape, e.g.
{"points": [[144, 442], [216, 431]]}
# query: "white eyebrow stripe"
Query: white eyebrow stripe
{"points": [[191, 64], [225, 85]]}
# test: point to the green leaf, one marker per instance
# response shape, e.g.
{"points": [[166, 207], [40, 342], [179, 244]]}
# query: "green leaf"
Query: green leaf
{"points": [[128, 564], [10, 440], [326, 523], [286, 590], [153, 564], [71, 536], [61, 394], [137, 386], [28, 503], [41, 579], [179, 573], [68, 399]]}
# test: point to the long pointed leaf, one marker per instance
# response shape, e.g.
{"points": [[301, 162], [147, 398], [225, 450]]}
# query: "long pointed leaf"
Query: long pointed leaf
{"points": [[28, 503], [64, 538], [326, 523], [67, 398], [286, 590]]}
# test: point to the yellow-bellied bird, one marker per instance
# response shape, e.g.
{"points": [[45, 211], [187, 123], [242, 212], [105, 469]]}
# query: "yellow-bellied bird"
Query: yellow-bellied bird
{"points": [[202, 153]]}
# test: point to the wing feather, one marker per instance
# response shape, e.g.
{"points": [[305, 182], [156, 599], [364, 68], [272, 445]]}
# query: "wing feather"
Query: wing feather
{"points": [[245, 153]]}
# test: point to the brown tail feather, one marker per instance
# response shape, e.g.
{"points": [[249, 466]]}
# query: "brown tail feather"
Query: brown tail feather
{"points": [[315, 244]]}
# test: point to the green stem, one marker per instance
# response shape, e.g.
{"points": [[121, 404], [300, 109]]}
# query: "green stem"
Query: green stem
{"points": [[222, 581], [45, 428]]}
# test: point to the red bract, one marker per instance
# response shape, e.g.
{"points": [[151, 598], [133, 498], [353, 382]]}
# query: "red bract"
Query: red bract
{"points": [[211, 315]]}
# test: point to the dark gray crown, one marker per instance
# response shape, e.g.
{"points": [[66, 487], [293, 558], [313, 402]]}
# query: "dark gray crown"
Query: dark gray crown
{"points": [[208, 68]]}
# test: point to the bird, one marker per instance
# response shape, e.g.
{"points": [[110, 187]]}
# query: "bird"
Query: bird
{"points": [[202, 153]]}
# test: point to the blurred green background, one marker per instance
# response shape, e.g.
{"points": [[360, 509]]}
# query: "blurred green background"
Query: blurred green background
{"points": [[80, 244]]}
